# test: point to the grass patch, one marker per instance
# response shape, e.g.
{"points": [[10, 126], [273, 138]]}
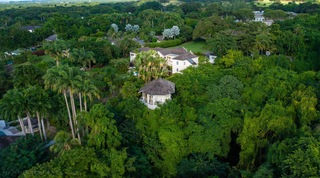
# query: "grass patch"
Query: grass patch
{"points": [[195, 46], [267, 3], [47, 58]]}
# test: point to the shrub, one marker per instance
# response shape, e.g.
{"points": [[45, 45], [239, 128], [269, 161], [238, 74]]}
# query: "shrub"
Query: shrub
{"points": [[165, 44]]}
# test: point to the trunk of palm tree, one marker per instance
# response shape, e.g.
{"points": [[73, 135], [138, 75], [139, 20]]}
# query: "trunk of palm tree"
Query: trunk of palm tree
{"points": [[57, 61], [69, 114], [39, 125], [23, 129], [80, 99], [74, 113], [29, 123], [85, 103], [44, 130], [73, 107]]}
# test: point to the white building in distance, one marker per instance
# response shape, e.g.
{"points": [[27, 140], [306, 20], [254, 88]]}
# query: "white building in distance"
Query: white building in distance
{"points": [[178, 58], [156, 92]]}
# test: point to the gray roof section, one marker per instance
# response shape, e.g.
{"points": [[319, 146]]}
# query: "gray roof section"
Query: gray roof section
{"points": [[182, 54], [159, 86], [30, 27], [52, 37], [178, 51], [185, 56], [192, 62]]}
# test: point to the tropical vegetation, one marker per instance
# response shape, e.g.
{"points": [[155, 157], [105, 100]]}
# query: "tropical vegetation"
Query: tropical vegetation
{"points": [[253, 113]]}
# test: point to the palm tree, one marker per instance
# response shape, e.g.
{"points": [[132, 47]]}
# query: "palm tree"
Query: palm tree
{"points": [[27, 105], [58, 49], [41, 105], [150, 65], [83, 57], [89, 90], [66, 79], [6, 20], [18, 103], [73, 78], [53, 80], [11, 108], [63, 142], [264, 40]]}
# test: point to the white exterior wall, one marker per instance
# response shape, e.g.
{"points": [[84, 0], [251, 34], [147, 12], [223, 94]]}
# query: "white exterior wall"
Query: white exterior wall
{"points": [[161, 98], [178, 66], [212, 58], [132, 56], [259, 19], [258, 16], [196, 60], [152, 101], [169, 58]]}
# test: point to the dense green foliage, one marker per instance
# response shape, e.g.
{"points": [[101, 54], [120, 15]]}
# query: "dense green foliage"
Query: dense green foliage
{"points": [[253, 113], [22, 155]]}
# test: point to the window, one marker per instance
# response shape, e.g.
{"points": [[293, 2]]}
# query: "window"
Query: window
{"points": [[177, 70], [184, 63], [177, 62]]}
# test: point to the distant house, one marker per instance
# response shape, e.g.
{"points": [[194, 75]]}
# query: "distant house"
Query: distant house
{"points": [[178, 58], [52, 38], [156, 92], [259, 17], [292, 14], [212, 57], [159, 38], [31, 29], [16, 52], [139, 41]]}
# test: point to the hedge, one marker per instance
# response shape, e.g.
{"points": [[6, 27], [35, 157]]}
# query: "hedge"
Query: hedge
{"points": [[165, 44]]}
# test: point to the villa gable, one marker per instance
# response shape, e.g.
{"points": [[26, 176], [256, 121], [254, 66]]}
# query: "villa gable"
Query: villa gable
{"points": [[178, 58], [156, 92]]}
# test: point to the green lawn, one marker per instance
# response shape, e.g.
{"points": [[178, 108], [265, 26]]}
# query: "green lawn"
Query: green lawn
{"points": [[267, 3], [47, 58], [195, 46]]}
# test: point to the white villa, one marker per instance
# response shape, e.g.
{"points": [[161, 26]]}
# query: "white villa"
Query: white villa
{"points": [[178, 58], [156, 92], [259, 17]]}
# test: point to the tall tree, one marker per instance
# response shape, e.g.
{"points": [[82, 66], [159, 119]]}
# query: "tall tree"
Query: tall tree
{"points": [[57, 49], [41, 105], [11, 107], [63, 143], [150, 65], [103, 134], [20, 104], [221, 42], [83, 57], [53, 80], [88, 90]]}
